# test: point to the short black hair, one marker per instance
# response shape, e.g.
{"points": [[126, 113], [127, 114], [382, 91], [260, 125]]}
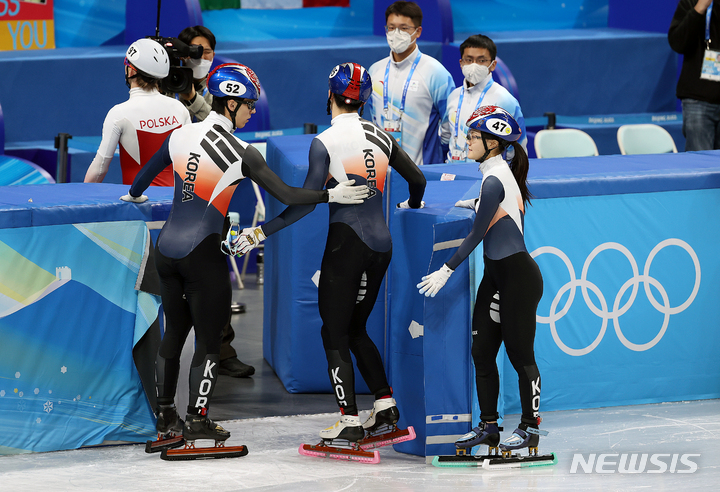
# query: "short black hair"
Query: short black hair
{"points": [[479, 41], [340, 103], [219, 103], [187, 35], [406, 9]]}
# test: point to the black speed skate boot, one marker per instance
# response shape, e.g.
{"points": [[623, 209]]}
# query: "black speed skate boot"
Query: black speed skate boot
{"points": [[525, 436], [168, 420], [201, 427], [381, 426], [346, 431], [169, 427], [485, 433], [383, 415]]}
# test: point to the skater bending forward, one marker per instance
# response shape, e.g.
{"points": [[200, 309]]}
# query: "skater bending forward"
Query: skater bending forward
{"points": [[511, 279], [208, 163], [358, 248]]}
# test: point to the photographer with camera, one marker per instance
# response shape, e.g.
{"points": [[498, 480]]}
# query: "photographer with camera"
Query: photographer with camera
{"points": [[197, 99], [143, 122]]}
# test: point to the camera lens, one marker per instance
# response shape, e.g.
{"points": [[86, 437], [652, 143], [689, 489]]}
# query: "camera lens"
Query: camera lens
{"points": [[179, 80]]}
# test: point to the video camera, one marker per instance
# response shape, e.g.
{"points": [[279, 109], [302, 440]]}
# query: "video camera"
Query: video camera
{"points": [[180, 78]]}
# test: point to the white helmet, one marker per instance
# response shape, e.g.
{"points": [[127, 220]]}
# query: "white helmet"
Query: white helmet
{"points": [[149, 57]]}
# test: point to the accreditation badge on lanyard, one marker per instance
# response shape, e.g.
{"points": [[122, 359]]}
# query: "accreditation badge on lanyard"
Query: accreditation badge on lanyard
{"points": [[393, 127], [459, 150], [458, 155], [390, 125], [711, 60]]}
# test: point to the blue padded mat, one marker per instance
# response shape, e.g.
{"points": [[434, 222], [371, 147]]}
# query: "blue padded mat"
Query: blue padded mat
{"points": [[608, 175], [72, 203]]}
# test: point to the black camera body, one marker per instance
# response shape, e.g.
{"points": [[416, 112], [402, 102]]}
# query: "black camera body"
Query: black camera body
{"points": [[180, 78]]}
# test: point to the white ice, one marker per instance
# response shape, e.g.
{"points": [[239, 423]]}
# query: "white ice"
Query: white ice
{"points": [[273, 462]]}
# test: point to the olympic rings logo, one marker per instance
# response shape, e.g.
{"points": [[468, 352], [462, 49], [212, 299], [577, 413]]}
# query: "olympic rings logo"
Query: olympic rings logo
{"points": [[617, 310]]}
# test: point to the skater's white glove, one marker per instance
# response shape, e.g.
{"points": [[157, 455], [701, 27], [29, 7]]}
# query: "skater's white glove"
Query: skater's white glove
{"points": [[471, 204], [134, 199], [431, 284], [406, 204], [248, 239], [347, 194]]}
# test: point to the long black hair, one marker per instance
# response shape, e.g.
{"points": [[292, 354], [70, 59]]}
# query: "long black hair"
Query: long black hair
{"points": [[519, 165]]}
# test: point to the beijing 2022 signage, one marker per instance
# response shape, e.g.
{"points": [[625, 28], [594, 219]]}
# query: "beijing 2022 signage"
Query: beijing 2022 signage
{"points": [[26, 25]]}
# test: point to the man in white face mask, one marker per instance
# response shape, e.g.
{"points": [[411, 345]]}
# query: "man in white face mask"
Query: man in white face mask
{"points": [[410, 89], [199, 101], [478, 61]]}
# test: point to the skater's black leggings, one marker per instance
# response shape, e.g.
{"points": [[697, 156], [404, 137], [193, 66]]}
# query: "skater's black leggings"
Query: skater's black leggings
{"points": [[345, 305], [519, 283], [195, 292]]}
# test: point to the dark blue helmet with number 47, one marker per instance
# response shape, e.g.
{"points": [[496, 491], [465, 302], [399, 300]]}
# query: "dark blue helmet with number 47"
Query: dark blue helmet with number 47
{"points": [[233, 80], [352, 81], [495, 121]]}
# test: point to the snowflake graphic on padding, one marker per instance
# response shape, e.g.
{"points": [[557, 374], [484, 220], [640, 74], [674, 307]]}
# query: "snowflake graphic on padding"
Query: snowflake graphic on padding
{"points": [[48, 406]]}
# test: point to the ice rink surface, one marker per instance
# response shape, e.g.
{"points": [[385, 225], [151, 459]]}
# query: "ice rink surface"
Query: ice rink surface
{"points": [[683, 432]]}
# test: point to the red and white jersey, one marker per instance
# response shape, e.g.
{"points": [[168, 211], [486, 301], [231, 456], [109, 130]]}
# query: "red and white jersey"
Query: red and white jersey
{"points": [[140, 125]]}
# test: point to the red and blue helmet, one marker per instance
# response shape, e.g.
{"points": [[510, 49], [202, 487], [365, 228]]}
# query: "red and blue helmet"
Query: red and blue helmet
{"points": [[233, 80], [495, 121], [352, 81]]}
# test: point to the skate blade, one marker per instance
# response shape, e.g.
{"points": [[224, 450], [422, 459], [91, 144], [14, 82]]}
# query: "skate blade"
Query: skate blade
{"points": [[494, 461], [320, 451], [400, 435], [192, 453], [161, 444], [518, 461], [463, 460]]}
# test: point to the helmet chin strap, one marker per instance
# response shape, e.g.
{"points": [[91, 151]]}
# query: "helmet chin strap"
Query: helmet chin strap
{"points": [[127, 78], [487, 150], [329, 112], [232, 113], [501, 146]]}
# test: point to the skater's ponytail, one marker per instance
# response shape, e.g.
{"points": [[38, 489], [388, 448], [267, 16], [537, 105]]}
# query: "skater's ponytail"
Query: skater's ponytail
{"points": [[520, 166]]}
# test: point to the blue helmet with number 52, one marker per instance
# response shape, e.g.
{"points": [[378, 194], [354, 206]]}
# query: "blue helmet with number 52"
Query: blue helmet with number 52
{"points": [[495, 121], [233, 80], [352, 81]]}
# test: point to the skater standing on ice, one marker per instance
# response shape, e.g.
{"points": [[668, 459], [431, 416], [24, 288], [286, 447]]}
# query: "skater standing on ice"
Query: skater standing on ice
{"points": [[358, 248], [511, 279], [208, 163]]}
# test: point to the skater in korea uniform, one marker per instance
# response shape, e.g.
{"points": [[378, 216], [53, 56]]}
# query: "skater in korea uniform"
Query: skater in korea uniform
{"points": [[511, 279], [410, 89], [478, 62], [208, 162], [143, 122], [358, 248]]}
